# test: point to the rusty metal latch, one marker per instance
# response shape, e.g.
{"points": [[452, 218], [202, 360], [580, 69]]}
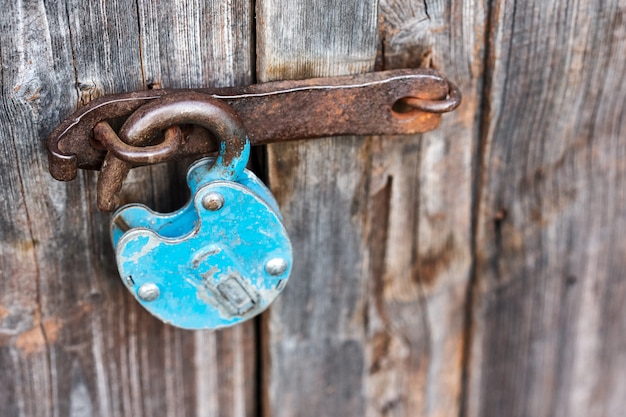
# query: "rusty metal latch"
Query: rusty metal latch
{"points": [[366, 104]]}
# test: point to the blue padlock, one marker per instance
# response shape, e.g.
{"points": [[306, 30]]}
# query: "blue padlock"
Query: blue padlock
{"points": [[221, 259]]}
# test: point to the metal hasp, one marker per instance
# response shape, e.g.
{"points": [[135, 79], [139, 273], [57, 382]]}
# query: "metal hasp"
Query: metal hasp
{"points": [[366, 104], [221, 259]]}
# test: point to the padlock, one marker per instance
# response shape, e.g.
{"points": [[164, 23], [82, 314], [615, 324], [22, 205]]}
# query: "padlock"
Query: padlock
{"points": [[221, 259]]}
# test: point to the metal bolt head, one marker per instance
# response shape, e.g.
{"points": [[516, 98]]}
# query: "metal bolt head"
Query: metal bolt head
{"points": [[276, 266], [213, 201], [148, 291]]}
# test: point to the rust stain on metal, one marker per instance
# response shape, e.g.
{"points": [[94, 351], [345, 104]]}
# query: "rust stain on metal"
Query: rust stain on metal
{"points": [[151, 154], [271, 112], [131, 148]]}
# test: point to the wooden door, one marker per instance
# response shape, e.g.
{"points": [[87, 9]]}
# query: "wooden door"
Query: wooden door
{"points": [[477, 270]]}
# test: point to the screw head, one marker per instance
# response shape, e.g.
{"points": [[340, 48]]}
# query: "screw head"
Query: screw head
{"points": [[276, 266], [213, 201], [148, 291]]}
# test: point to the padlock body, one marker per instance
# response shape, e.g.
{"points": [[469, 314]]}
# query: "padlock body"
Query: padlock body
{"points": [[210, 268]]}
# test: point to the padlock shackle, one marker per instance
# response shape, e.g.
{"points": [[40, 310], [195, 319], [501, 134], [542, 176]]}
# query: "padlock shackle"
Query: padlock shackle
{"points": [[129, 148], [176, 109]]}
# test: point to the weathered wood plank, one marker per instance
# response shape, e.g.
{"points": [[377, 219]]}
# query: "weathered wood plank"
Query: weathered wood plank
{"points": [[72, 341], [420, 219], [314, 334], [183, 46], [549, 311], [372, 321]]}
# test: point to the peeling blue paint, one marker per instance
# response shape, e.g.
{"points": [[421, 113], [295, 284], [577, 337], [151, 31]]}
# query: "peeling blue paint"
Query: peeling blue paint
{"points": [[209, 266]]}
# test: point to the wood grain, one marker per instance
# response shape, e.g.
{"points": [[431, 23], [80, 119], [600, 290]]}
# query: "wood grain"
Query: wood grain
{"points": [[549, 311], [314, 334], [421, 231], [372, 321], [72, 341]]}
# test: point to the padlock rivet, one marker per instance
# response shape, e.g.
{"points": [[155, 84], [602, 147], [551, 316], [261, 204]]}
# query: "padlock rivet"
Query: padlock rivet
{"points": [[276, 266], [213, 201], [148, 291]]}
